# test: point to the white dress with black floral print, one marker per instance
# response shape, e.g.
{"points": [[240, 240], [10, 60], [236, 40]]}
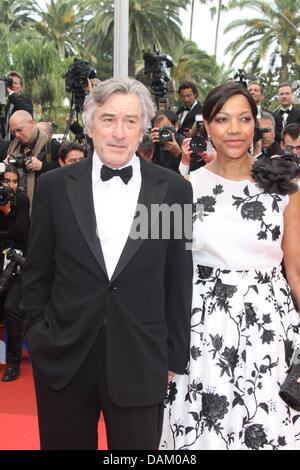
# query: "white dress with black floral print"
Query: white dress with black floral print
{"points": [[244, 327]]}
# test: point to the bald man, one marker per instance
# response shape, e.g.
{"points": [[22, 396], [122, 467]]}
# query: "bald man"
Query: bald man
{"points": [[32, 144]]}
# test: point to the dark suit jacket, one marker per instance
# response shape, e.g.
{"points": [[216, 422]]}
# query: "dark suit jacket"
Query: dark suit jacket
{"points": [[4, 144], [294, 116], [189, 118], [67, 295]]}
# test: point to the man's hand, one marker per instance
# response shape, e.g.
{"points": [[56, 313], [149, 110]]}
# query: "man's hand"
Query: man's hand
{"points": [[155, 135], [186, 152], [34, 164], [173, 147]]}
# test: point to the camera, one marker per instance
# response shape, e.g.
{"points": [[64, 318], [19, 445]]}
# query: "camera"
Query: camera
{"points": [[258, 133], [18, 160], [198, 143], [11, 269], [5, 194], [77, 77], [165, 134], [5, 82], [158, 67], [241, 77], [8, 81], [290, 157]]}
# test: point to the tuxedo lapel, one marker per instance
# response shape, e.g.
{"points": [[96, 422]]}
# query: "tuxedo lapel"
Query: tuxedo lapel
{"points": [[79, 189], [153, 191]]}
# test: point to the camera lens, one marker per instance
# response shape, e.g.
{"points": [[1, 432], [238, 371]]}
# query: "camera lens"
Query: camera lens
{"points": [[198, 144], [165, 135]]}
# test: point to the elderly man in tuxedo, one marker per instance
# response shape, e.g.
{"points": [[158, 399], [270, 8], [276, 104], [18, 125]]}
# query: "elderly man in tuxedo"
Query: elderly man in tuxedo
{"points": [[106, 311]]}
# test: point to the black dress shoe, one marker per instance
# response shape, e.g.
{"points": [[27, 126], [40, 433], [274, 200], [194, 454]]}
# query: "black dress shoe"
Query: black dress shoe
{"points": [[12, 372]]}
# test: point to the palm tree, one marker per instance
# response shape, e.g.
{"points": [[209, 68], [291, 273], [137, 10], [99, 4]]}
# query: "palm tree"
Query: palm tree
{"points": [[14, 16], [274, 32], [60, 24], [213, 11], [150, 22], [196, 65]]}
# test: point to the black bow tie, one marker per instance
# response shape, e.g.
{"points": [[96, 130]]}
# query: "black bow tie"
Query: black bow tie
{"points": [[186, 108], [283, 111], [108, 173]]}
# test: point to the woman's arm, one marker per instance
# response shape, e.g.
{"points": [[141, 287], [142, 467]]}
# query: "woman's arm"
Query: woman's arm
{"points": [[291, 245]]}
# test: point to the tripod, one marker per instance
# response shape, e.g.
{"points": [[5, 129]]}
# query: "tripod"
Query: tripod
{"points": [[73, 125]]}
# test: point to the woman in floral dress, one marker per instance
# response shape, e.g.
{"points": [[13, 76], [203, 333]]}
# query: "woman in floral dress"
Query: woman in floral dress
{"points": [[244, 326]]}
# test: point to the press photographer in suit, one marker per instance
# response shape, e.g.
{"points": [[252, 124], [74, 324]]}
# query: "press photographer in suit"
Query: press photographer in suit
{"points": [[287, 112], [14, 226], [15, 102], [186, 113], [107, 312]]}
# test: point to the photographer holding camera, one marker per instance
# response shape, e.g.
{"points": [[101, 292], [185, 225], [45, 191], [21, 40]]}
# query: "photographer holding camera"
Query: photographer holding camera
{"points": [[15, 101], [290, 139], [269, 146], [197, 150], [14, 226], [186, 113], [29, 151], [167, 143]]}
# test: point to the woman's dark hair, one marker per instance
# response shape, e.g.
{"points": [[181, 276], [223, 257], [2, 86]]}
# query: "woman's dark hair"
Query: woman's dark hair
{"points": [[9, 168], [216, 99]]}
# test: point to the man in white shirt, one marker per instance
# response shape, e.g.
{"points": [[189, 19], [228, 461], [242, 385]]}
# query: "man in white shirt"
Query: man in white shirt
{"points": [[287, 113], [107, 312]]}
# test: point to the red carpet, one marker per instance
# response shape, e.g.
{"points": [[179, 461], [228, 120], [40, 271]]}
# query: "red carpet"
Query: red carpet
{"points": [[18, 415]]}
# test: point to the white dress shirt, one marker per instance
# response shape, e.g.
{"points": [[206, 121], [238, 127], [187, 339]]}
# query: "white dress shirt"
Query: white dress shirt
{"points": [[115, 204]]}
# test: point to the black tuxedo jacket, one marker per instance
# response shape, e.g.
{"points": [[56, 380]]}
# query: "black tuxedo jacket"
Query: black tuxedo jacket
{"points": [[189, 119], [294, 116], [67, 296]]}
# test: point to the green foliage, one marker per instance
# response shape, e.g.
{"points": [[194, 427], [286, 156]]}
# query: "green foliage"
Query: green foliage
{"points": [[196, 65], [274, 33]]}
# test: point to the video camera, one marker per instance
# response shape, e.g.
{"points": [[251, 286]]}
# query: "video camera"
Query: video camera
{"points": [[77, 77], [198, 143], [6, 194], [158, 67], [16, 260], [241, 77]]}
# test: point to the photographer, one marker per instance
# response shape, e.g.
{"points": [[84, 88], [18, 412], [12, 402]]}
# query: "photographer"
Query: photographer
{"points": [[186, 113], [269, 146], [29, 151], [167, 143], [14, 226], [15, 101], [290, 139], [69, 153], [197, 150]]}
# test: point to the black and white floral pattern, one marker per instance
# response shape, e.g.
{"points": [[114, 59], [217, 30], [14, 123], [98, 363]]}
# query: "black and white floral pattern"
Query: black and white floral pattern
{"points": [[244, 330]]}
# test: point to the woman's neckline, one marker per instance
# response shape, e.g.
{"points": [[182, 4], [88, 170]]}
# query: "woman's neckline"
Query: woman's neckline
{"points": [[226, 179]]}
